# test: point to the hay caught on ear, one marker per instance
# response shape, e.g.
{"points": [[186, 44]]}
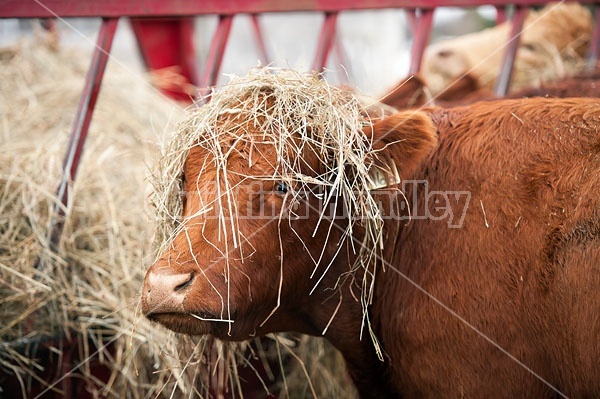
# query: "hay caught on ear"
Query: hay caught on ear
{"points": [[292, 111]]}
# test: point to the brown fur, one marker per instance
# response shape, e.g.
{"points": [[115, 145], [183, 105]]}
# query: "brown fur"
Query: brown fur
{"points": [[538, 182], [585, 85], [413, 92], [523, 268]]}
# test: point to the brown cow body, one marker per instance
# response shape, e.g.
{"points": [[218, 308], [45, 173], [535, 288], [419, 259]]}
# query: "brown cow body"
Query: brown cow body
{"points": [[483, 298], [529, 281]]}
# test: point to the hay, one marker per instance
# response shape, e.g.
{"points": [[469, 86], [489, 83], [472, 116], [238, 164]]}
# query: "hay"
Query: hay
{"points": [[89, 290], [293, 112]]}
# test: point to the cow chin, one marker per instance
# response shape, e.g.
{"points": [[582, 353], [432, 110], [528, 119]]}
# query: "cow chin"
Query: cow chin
{"points": [[183, 323], [202, 324]]}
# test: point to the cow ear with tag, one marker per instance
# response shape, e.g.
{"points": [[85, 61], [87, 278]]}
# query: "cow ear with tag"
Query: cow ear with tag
{"points": [[400, 144]]}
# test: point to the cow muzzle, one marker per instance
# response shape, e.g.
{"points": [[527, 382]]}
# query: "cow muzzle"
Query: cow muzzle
{"points": [[164, 291]]}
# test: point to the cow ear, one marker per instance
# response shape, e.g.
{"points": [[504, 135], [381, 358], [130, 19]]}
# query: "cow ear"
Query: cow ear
{"points": [[410, 92], [401, 142]]}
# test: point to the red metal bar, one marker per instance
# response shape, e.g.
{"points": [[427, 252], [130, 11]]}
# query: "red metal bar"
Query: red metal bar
{"points": [[325, 41], [421, 21], [260, 40], [66, 365], [511, 51], [156, 8], [215, 55], [594, 50], [49, 24], [342, 59], [500, 14], [83, 117], [167, 44], [411, 18]]}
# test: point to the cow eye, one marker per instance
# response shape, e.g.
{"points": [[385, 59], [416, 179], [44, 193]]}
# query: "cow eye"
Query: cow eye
{"points": [[281, 187]]}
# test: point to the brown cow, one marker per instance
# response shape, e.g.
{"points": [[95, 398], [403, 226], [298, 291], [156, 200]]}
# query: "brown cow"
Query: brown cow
{"points": [[488, 289]]}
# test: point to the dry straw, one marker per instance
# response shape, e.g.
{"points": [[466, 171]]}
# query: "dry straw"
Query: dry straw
{"points": [[294, 113], [89, 290]]}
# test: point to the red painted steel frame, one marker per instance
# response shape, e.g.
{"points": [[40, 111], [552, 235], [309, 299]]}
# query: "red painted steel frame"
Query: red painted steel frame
{"points": [[172, 8], [420, 21], [215, 55], [260, 40], [87, 102], [168, 42], [511, 51], [325, 41], [500, 14]]}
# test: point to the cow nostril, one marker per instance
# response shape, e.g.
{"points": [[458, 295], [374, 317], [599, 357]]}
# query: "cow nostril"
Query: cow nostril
{"points": [[186, 283], [444, 53]]}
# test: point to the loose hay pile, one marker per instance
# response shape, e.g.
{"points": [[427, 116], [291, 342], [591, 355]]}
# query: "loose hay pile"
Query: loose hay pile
{"points": [[293, 113], [88, 291]]}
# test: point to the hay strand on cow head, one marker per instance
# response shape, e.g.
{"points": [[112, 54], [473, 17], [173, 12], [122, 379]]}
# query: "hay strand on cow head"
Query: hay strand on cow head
{"points": [[292, 112]]}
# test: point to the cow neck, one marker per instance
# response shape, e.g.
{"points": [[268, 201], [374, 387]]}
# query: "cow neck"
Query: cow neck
{"points": [[369, 374]]}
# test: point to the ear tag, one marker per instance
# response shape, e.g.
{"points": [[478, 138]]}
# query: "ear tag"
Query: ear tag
{"points": [[379, 177]]}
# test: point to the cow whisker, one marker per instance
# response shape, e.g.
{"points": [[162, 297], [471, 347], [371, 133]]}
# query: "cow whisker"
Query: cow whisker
{"points": [[211, 319]]}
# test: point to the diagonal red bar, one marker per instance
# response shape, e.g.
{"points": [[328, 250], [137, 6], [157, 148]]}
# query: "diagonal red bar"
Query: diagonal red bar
{"points": [[325, 41], [83, 117], [420, 21], [215, 55], [508, 58], [260, 40], [500, 14]]}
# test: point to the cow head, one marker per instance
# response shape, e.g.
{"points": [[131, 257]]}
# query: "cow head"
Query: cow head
{"points": [[278, 219]]}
